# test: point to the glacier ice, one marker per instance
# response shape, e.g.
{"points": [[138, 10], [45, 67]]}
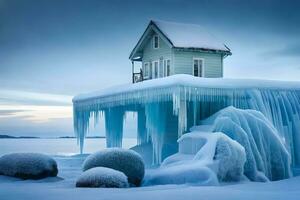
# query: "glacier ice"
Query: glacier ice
{"points": [[267, 156], [168, 107], [204, 158]]}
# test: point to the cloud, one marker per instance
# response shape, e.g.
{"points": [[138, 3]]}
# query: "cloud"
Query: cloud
{"points": [[34, 107], [5, 113], [33, 98], [288, 51], [35, 114]]}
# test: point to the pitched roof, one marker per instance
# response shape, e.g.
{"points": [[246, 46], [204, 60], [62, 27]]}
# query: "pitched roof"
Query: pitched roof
{"points": [[180, 35], [189, 36]]}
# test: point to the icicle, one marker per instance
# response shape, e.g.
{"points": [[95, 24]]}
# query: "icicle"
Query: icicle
{"points": [[81, 125], [155, 123], [195, 112], [182, 118], [141, 127], [114, 118]]}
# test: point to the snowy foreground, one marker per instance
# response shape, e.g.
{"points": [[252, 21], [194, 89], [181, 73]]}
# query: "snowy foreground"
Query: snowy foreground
{"points": [[63, 187]]}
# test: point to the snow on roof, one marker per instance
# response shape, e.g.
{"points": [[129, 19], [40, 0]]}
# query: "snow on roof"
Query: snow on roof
{"points": [[189, 36], [191, 81]]}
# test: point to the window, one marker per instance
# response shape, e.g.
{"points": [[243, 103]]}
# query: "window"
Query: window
{"points": [[167, 65], [150, 71], [155, 69], [155, 42], [146, 70], [198, 68]]}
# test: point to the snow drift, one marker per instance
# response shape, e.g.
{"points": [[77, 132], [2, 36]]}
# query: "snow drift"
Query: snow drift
{"points": [[28, 165], [267, 156], [184, 173], [127, 161], [102, 177], [203, 159]]}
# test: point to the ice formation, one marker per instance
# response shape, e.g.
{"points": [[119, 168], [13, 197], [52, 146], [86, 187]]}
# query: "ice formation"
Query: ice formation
{"points": [[102, 177], [174, 104], [204, 158], [267, 156]]}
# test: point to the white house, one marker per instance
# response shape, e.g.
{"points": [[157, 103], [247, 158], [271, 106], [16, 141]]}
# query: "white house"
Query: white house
{"points": [[168, 48]]}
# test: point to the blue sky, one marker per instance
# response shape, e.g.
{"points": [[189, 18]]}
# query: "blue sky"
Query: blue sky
{"points": [[52, 50]]}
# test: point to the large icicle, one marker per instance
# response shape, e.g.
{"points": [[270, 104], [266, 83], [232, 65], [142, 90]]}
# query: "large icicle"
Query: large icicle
{"points": [[81, 125], [182, 118], [114, 118], [142, 136], [155, 123]]}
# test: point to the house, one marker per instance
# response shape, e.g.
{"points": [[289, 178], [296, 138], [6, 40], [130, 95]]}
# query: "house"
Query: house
{"points": [[168, 107], [168, 48]]}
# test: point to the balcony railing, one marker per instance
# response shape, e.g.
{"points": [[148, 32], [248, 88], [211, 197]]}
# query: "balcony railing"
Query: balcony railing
{"points": [[137, 76]]}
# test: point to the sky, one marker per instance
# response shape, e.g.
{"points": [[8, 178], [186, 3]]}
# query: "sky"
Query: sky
{"points": [[51, 50]]}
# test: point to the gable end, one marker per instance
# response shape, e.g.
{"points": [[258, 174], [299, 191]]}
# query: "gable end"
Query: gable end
{"points": [[151, 27]]}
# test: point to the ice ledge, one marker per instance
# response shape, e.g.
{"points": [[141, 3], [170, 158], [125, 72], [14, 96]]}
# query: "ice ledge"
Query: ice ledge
{"points": [[190, 81]]}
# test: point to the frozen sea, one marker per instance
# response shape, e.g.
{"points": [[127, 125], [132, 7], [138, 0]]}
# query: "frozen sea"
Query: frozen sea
{"points": [[56, 146]]}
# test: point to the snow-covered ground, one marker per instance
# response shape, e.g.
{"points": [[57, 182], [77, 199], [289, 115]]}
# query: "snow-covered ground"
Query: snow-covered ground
{"points": [[63, 187]]}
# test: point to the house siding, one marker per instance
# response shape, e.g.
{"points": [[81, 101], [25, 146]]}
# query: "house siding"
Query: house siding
{"points": [[183, 63], [163, 52], [182, 60]]}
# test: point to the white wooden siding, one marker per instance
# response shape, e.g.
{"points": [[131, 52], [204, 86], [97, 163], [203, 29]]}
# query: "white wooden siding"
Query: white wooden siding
{"points": [[183, 63], [163, 52]]}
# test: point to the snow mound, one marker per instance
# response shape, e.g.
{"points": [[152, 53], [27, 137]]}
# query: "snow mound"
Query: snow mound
{"points": [[231, 157], [102, 177], [127, 161], [267, 156], [28, 165], [203, 159], [185, 173]]}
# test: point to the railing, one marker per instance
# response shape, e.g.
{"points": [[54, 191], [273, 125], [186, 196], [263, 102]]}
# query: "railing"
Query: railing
{"points": [[137, 76]]}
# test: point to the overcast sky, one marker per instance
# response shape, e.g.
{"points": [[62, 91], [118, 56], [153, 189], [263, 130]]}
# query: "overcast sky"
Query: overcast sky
{"points": [[51, 50]]}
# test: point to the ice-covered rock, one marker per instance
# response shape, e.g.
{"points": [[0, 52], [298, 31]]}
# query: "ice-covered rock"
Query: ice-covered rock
{"points": [[203, 159], [102, 177], [28, 165], [267, 156], [127, 161]]}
